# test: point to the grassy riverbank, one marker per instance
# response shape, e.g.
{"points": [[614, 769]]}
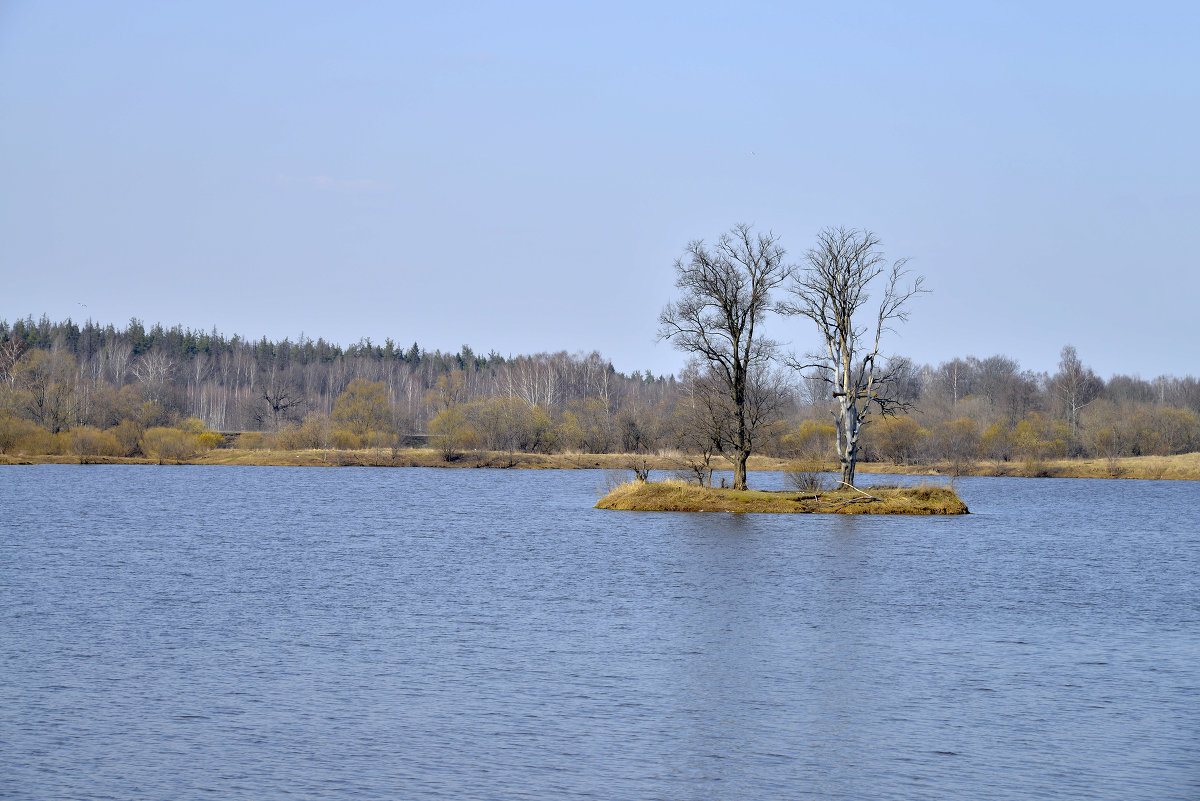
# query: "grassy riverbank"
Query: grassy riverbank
{"points": [[1181, 467], [384, 457], [1184, 466], [678, 496]]}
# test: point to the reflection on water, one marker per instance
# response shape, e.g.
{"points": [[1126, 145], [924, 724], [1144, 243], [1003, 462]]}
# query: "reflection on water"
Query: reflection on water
{"points": [[371, 633]]}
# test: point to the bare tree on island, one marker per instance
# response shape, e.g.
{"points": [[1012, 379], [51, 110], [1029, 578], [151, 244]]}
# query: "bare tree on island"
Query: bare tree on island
{"points": [[831, 292], [705, 417], [699, 420], [726, 294]]}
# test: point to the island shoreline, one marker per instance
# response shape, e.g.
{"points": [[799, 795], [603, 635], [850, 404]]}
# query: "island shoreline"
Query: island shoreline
{"points": [[679, 496]]}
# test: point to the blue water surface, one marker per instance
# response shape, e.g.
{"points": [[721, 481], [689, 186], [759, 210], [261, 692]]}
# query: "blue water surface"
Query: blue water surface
{"points": [[370, 633]]}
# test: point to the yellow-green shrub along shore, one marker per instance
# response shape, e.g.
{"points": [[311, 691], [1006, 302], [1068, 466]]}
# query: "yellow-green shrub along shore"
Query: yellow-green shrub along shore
{"points": [[677, 496], [1185, 466]]}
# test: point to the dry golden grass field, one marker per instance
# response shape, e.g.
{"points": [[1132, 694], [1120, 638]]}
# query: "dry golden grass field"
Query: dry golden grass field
{"points": [[1181, 467]]}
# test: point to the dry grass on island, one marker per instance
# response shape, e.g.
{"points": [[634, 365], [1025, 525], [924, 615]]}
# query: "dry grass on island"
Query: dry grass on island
{"points": [[678, 496]]}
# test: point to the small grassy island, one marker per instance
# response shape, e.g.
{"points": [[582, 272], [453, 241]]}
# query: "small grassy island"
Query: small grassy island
{"points": [[678, 496]]}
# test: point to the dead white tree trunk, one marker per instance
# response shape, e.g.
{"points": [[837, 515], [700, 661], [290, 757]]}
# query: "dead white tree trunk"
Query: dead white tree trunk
{"points": [[831, 292]]}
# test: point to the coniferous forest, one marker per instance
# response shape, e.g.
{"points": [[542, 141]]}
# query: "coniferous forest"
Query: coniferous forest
{"points": [[69, 388]]}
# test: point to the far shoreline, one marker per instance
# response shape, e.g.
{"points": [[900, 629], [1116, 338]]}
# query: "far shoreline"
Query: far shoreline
{"points": [[1181, 467]]}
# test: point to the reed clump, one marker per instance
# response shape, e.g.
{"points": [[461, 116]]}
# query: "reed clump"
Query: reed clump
{"points": [[678, 496]]}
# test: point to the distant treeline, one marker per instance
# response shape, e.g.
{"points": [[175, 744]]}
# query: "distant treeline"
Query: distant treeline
{"points": [[71, 388]]}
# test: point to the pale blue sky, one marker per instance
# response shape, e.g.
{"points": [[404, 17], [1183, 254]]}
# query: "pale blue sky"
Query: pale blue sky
{"points": [[520, 176]]}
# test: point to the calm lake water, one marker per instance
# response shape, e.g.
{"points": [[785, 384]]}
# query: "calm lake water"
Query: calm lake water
{"points": [[250, 633]]}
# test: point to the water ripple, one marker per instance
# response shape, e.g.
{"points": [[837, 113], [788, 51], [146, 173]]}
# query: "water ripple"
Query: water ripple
{"points": [[241, 633]]}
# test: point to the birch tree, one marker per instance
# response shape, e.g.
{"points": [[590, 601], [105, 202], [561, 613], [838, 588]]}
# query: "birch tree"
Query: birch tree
{"points": [[832, 291], [11, 351], [1075, 386]]}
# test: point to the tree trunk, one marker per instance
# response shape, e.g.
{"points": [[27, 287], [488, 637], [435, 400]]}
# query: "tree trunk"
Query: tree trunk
{"points": [[848, 427], [739, 470], [848, 471]]}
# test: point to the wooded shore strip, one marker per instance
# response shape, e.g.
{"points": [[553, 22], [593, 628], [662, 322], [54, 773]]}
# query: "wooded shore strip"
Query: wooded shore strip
{"points": [[1178, 467], [92, 393], [679, 496]]}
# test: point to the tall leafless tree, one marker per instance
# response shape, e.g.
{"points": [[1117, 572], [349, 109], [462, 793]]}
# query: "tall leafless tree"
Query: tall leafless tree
{"points": [[832, 291], [1075, 386], [701, 415], [726, 295], [154, 369], [282, 396], [11, 352]]}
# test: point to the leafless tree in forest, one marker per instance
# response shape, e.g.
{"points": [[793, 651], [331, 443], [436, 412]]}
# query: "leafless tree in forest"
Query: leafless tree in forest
{"points": [[1009, 392], [281, 395], [726, 295], [1075, 386], [48, 378], [957, 378], [811, 390], [154, 369], [831, 292], [11, 352], [117, 359], [906, 381]]}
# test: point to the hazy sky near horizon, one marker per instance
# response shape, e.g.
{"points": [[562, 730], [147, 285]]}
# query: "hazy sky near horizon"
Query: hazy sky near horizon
{"points": [[521, 176]]}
